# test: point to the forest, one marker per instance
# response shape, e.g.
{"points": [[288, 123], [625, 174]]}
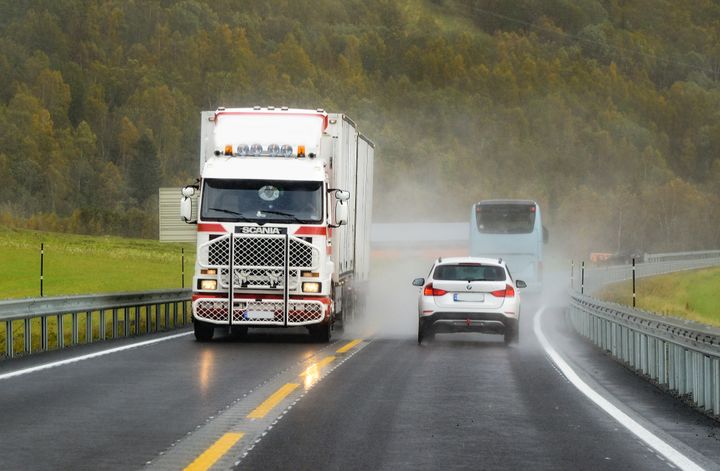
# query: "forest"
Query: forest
{"points": [[607, 112]]}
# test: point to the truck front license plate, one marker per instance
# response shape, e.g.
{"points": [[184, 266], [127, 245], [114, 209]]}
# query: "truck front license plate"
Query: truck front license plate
{"points": [[260, 315]]}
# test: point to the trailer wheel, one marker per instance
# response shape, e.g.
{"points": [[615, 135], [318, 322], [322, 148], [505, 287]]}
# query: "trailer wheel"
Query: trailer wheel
{"points": [[321, 332], [203, 330]]}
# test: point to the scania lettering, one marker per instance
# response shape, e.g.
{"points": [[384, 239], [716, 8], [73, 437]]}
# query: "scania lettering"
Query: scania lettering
{"points": [[283, 223]]}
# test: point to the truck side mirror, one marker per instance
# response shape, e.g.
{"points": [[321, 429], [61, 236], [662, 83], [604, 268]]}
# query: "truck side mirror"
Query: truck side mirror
{"points": [[186, 205], [186, 210], [342, 195], [341, 213]]}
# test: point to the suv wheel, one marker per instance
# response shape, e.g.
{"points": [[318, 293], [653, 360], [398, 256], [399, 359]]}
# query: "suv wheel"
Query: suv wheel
{"points": [[512, 335]]}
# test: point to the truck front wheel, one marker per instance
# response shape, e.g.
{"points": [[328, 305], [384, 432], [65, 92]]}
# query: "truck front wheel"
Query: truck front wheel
{"points": [[203, 331], [321, 332]]}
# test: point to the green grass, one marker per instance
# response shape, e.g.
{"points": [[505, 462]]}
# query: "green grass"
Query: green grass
{"points": [[76, 264], [693, 295]]}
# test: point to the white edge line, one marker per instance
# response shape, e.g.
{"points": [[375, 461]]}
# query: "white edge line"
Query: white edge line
{"points": [[673, 455], [76, 359]]}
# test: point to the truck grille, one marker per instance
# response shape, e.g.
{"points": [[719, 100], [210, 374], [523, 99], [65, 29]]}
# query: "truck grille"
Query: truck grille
{"points": [[261, 252], [300, 312]]}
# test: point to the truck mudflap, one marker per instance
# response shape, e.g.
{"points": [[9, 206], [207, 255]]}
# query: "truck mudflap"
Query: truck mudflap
{"points": [[259, 312]]}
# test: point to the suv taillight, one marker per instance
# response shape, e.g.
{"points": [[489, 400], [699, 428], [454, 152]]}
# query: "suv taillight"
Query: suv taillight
{"points": [[508, 292], [430, 291]]}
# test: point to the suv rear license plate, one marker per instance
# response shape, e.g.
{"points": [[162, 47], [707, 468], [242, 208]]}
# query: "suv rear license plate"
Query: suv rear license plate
{"points": [[472, 297], [260, 315]]}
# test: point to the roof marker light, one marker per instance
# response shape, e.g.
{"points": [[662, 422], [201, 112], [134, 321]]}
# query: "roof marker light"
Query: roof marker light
{"points": [[228, 149], [256, 149], [273, 150], [243, 150], [286, 150], [301, 151]]}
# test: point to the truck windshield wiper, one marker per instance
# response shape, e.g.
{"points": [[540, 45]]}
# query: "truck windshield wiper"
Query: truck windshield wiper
{"points": [[228, 211], [281, 213]]}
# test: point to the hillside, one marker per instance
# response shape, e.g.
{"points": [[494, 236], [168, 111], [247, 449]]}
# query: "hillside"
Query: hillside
{"points": [[605, 111]]}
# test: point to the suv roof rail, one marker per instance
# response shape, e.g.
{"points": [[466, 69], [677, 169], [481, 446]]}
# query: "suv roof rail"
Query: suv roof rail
{"points": [[500, 260], [439, 259]]}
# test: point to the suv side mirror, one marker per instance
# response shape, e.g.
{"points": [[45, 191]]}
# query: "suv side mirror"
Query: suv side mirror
{"points": [[418, 282], [520, 284]]}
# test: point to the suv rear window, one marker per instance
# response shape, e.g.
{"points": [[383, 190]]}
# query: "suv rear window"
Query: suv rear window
{"points": [[469, 272]]}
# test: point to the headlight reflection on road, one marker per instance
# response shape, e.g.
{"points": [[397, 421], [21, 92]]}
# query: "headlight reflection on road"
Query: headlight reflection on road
{"points": [[207, 361], [311, 375]]}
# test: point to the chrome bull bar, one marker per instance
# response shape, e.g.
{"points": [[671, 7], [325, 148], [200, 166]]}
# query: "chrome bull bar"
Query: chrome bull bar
{"points": [[259, 262]]}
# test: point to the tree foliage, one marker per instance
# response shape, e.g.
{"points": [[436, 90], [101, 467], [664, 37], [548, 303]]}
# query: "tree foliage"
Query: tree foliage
{"points": [[605, 111]]}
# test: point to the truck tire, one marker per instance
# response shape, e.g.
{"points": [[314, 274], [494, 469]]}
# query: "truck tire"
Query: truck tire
{"points": [[321, 332], [203, 330]]}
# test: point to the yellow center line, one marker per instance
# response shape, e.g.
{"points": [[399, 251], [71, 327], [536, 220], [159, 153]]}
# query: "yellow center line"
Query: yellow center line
{"points": [[215, 452], [315, 367], [348, 346], [272, 401]]}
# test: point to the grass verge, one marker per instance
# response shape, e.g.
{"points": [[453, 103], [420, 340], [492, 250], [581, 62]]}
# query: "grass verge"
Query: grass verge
{"points": [[693, 295], [76, 264]]}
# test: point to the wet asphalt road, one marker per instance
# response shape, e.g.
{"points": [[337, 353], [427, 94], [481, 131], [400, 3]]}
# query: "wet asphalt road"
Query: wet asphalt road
{"points": [[464, 401]]}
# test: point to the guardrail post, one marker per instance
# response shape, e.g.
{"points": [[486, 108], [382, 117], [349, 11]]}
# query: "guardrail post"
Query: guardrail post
{"points": [[44, 334], [114, 323], [88, 327], [101, 330], [27, 335], [582, 279], [60, 331], [572, 274], [716, 386], [9, 350], [182, 269], [157, 318], [75, 334], [707, 382], [126, 321]]}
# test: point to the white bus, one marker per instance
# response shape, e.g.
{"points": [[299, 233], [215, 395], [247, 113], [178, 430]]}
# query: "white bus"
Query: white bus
{"points": [[511, 230]]}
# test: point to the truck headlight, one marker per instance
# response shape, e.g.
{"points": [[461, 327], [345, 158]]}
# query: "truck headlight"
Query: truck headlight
{"points": [[311, 287], [210, 285]]}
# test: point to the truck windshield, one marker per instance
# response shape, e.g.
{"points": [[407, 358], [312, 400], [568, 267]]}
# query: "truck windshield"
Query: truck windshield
{"points": [[262, 201], [505, 218]]}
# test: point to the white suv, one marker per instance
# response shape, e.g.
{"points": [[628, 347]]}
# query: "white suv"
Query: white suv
{"points": [[469, 294]]}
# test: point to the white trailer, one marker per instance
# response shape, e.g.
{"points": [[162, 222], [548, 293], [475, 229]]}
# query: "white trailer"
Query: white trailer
{"points": [[283, 223]]}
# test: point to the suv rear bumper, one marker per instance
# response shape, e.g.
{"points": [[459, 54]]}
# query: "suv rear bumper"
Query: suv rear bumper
{"points": [[485, 322]]}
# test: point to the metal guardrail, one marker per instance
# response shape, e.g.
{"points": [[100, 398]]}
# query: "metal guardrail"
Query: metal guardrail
{"points": [[103, 316], [683, 357]]}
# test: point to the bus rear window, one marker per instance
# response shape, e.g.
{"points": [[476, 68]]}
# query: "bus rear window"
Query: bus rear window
{"points": [[505, 218], [469, 272]]}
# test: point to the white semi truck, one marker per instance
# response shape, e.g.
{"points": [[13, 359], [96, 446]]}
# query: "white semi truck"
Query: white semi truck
{"points": [[283, 223]]}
